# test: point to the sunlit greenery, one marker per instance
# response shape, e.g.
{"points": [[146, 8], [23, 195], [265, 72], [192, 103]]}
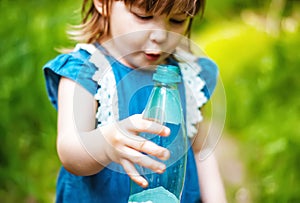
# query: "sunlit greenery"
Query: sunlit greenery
{"points": [[256, 45], [256, 49], [30, 30]]}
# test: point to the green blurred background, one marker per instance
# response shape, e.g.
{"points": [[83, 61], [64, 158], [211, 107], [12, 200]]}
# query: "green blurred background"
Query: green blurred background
{"points": [[257, 47]]}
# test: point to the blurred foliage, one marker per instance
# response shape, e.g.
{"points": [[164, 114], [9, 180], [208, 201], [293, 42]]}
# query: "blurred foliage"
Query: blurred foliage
{"points": [[257, 50], [256, 45], [30, 30]]}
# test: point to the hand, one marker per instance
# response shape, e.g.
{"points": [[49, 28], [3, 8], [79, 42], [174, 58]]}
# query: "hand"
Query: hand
{"points": [[127, 148]]}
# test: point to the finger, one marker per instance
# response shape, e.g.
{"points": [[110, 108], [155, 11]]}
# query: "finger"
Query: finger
{"points": [[143, 160], [133, 173], [143, 145], [137, 124]]}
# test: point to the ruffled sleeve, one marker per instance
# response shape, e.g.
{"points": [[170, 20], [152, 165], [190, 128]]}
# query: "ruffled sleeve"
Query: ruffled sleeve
{"points": [[209, 74], [74, 66], [200, 78]]}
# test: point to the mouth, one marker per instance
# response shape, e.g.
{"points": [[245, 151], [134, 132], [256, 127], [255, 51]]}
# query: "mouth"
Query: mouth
{"points": [[152, 56]]}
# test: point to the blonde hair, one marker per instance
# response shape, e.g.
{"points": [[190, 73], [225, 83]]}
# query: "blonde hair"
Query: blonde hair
{"points": [[94, 25]]}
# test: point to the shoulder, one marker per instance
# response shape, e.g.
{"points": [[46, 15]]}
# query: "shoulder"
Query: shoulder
{"points": [[204, 67], [75, 66], [208, 66], [67, 65], [209, 73]]}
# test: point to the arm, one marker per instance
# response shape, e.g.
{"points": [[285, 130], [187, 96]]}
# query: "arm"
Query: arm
{"points": [[86, 150], [210, 181]]}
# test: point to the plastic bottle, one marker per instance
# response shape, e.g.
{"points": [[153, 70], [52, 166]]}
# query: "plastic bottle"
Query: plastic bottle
{"points": [[164, 107]]}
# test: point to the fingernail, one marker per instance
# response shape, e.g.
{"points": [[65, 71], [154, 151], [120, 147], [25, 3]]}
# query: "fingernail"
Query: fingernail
{"points": [[161, 169], [144, 183], [166, 154], [167, 131]]}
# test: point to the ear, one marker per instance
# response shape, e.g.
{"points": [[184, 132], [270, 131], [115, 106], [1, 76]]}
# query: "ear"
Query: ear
{"points": [[99, 7]]}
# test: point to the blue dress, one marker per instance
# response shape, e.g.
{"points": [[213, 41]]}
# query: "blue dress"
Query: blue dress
{"points": [[111, 185]]}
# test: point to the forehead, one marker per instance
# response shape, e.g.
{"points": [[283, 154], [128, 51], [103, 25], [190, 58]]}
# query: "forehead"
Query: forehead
{"points": [[166, 6]]}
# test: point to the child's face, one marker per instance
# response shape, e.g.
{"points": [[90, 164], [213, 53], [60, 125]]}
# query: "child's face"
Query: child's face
{"points": [[142, 39]]}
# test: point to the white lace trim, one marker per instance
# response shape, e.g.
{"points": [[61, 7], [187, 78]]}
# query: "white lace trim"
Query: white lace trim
{"points": [[107, 98], [88, 47], [106, 95], [193, 84]]}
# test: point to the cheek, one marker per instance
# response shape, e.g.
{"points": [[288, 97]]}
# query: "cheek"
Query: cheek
{"points": [[174, 40], [129, 43], [134, 38], [119, 25]]}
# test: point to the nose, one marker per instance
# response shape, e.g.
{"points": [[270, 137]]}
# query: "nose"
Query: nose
{"points": [[158, 35]]}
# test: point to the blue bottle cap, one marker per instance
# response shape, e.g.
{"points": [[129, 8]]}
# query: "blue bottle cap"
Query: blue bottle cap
{"points": [[167, 74]]}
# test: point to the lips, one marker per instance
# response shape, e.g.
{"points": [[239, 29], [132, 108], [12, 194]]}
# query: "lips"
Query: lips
{"points": [[152, 57]]}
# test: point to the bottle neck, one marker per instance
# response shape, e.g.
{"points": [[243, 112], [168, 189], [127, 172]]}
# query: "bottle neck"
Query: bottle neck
{"points": [[166, 85]]}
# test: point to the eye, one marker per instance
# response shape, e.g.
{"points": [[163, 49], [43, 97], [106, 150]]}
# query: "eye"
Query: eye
{"points": [[143, 17], [177, 21]]}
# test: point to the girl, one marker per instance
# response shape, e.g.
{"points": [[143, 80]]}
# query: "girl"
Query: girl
{"points": [[101, 88]]}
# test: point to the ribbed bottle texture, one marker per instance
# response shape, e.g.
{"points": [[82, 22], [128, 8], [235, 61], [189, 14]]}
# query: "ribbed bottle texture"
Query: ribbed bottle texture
{"points": [[164, 107]]}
